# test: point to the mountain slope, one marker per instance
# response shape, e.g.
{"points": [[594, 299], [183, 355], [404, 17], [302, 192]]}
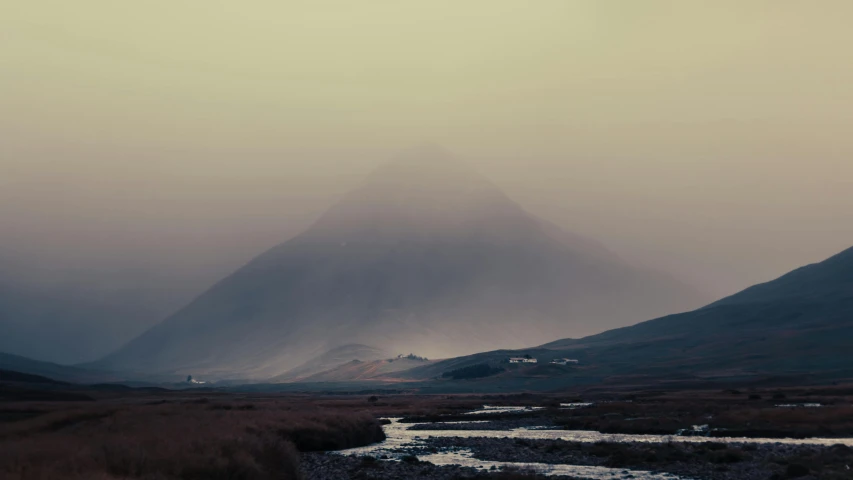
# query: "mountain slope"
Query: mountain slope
{"points": [[829, 280], [797, 325], [426, 256], [814, 297]]}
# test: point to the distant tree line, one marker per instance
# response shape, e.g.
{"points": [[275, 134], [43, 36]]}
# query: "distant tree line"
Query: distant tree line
{"points": [[412, 356]]}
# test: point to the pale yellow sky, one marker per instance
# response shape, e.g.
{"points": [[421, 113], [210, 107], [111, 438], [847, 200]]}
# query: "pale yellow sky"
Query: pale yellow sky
{"points": [[709, 138]]}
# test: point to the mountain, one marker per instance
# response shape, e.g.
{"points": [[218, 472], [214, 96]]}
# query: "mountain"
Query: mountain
{"points": [[796, 326], [425, 256]]}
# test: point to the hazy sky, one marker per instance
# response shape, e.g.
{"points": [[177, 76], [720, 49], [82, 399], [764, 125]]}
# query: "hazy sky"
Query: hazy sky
{"points": [[164, 143]]}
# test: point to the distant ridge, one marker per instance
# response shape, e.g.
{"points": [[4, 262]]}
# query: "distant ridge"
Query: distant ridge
{"points": [[53, 371], [10, 376]]}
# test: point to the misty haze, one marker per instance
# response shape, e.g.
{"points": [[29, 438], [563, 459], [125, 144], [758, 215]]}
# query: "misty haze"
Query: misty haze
{"points": [[426, 239]]}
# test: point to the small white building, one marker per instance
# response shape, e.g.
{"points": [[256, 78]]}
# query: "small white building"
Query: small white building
{"points": [[522, 360], [564, 361], [193, 381]]}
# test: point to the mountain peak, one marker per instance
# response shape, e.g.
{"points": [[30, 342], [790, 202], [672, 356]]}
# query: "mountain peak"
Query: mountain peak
{"points": [[423, 192], [426, 164]]}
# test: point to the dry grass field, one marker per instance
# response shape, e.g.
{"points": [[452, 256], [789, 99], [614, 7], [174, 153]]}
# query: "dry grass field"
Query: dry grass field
{"points": [[194, 438], [163, 435]]}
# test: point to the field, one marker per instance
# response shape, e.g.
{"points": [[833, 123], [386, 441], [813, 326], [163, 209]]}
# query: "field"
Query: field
{"points": [[165, 437], [132, 434]]}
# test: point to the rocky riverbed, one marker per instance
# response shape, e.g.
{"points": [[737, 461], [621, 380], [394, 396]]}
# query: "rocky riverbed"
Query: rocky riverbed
{"points": [[706, 460], [499, 447], [483, 457], [325, 466]]}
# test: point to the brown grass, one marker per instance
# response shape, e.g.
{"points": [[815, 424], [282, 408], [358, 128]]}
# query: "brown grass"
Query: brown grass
{"points": [[182, 435], [734, 414], [186, 440]]}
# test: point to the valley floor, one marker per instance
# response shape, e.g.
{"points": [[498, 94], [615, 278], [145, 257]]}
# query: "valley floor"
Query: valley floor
{"points": [[202, 434]]}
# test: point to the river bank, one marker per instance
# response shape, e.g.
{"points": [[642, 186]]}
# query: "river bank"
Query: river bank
{"points": [[534, 438]]}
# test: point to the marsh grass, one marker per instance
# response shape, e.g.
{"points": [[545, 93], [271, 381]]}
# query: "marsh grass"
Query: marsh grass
{"points": [[187, 440]]}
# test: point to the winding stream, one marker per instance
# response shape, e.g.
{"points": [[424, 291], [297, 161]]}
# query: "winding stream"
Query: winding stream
{"points": [[401, 441]]}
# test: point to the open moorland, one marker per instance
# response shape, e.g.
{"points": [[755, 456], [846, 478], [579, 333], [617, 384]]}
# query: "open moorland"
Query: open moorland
{"points": [[181, 436], [205, 434]]}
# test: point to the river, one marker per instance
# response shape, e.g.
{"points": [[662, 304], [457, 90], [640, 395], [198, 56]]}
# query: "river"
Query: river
{"points": [[402, 441]]}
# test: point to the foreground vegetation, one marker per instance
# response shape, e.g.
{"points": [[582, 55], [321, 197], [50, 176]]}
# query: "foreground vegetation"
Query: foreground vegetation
{"points": [[702, 460], [164, 435], [177, 439]]}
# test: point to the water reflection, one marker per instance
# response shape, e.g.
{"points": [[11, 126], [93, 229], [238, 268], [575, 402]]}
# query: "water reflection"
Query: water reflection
{"points": [[401, 441], [498, 409]]}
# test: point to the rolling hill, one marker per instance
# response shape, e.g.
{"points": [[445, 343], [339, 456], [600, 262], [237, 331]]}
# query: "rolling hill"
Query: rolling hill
{"points": [[331, 359]]}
